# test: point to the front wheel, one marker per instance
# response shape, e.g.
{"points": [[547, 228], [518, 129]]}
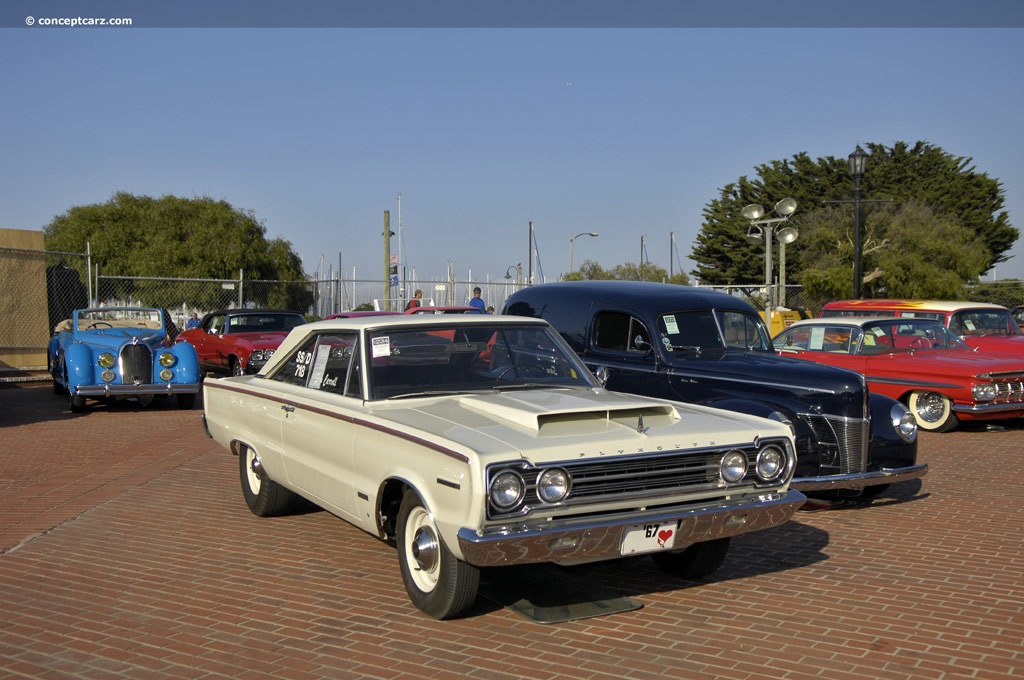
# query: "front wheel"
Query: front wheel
{"points": [[697, 561], [438, 584], [265, 497], [933, 411], [236, 367]]}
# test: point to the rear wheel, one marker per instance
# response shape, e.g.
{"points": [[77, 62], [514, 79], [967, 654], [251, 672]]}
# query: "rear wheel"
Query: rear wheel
{"points": [[697, 561], [438, 583], [265, 497], [933, 411]]}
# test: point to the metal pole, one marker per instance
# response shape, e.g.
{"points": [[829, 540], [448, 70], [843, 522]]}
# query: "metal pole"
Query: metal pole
{"points": [[571, 239], [387, 260], [768, 266], [857, 276], [529, 264]]}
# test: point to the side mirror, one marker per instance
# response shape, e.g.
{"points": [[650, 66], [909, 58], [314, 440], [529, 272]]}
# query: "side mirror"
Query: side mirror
{"points": [[640, 343], [602, 374]]}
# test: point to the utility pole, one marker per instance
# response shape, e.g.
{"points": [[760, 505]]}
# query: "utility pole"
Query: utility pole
{"points": [[387, 259]]}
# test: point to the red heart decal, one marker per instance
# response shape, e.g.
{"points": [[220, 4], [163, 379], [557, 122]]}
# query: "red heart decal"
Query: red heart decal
{"points": [[664, 535]]}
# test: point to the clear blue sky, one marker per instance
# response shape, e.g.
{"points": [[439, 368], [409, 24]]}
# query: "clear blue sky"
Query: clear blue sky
{"points": [[626, 132]]}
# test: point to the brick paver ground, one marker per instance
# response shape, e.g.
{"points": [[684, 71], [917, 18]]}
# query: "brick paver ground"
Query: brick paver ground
{"points": [[126, 551]]}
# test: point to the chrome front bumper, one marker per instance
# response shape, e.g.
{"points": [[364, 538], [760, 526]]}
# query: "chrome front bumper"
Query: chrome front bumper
{"points": [[857, 480], [592, 539], [109, 390]]}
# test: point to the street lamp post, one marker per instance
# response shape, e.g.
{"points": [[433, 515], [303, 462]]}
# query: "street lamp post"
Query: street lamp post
{"points": [[573, 238], [763, 229], [858, 161]]}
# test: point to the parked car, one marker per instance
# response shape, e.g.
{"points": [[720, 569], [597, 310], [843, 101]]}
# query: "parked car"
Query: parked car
{"points": [[449, 309], [707, 347], [240, 341], [1018, 315], [115, 353], [917, 361], [482, 441], [987, 327], [353, 315]]}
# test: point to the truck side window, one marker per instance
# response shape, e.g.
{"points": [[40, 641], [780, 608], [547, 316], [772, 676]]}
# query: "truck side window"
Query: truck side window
{"points": [[618, 332]]}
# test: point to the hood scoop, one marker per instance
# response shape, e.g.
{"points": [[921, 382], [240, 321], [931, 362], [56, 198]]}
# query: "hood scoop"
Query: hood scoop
{"points": [[566, 413]]}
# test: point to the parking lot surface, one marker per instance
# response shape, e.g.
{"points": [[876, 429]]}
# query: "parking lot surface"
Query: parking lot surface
{"points": [[126, 550]]}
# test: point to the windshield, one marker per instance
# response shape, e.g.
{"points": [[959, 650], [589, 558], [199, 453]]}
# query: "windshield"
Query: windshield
{"points": [[707, 330], [905, 335], [984, 322], [119, 317], [452, 359]]}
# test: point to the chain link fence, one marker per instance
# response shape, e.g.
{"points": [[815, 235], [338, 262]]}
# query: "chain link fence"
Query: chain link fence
{"points": [[42, 288]]}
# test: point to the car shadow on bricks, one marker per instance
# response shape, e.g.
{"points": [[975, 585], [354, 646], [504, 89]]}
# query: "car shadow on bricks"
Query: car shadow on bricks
{"points": [[788, 546]]}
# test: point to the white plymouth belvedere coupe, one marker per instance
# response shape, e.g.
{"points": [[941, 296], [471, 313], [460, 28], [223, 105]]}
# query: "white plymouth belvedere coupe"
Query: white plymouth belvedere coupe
{"points": [[482, 441]]}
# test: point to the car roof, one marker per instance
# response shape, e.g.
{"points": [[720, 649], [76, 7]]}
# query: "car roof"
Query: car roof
{"points": [[859, 321], [257, 310], [641, 294], [299, 334], [911, 305]]}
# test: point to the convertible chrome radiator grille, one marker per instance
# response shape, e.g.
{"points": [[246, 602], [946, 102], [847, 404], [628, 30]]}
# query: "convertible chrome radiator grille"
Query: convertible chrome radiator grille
{"points": [[1009, 391], [842, 442], [136, 365]]}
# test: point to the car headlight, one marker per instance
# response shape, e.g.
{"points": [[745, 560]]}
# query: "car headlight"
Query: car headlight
{"points": [[903, 422], [507, 490], [771, 461], [106, 360], [984, 392], [108, 376], [733, 466], [553, 485], [167, 359], [166, 374], [255, 355]]}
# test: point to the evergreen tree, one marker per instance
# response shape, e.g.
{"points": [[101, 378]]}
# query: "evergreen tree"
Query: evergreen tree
{"points": [[923, 175]]}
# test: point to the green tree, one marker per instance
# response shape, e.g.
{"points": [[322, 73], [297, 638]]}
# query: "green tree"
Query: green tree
{"points": [[945, 254], [922, 174], [628, 271], [172, 237]]}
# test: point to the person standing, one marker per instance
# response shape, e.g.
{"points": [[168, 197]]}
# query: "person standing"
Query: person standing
{"points": [[416, 301], [477, 302]]}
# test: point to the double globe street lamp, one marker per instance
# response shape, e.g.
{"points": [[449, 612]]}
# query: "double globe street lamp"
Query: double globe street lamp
{"points": [[761, 230]]}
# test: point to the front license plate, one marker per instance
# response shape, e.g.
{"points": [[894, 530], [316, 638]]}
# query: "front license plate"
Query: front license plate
{"points": [[641, 538]]}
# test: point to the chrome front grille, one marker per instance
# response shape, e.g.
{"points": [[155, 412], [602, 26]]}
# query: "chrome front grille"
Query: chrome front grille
{"points": [[136, 365], [842, 442], [639, 476], [1009, 391]]}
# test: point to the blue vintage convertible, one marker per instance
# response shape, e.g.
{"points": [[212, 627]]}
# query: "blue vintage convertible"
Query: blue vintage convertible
{"points": [[113, 353]]}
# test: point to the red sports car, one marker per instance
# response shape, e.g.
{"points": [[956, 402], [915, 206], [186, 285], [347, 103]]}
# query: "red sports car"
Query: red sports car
{"points": [[988, 327], [239, 341], [917, 361]]}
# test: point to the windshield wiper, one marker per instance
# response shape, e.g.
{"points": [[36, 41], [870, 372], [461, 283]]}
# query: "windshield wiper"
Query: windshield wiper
{"points": [[426, 393]]}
